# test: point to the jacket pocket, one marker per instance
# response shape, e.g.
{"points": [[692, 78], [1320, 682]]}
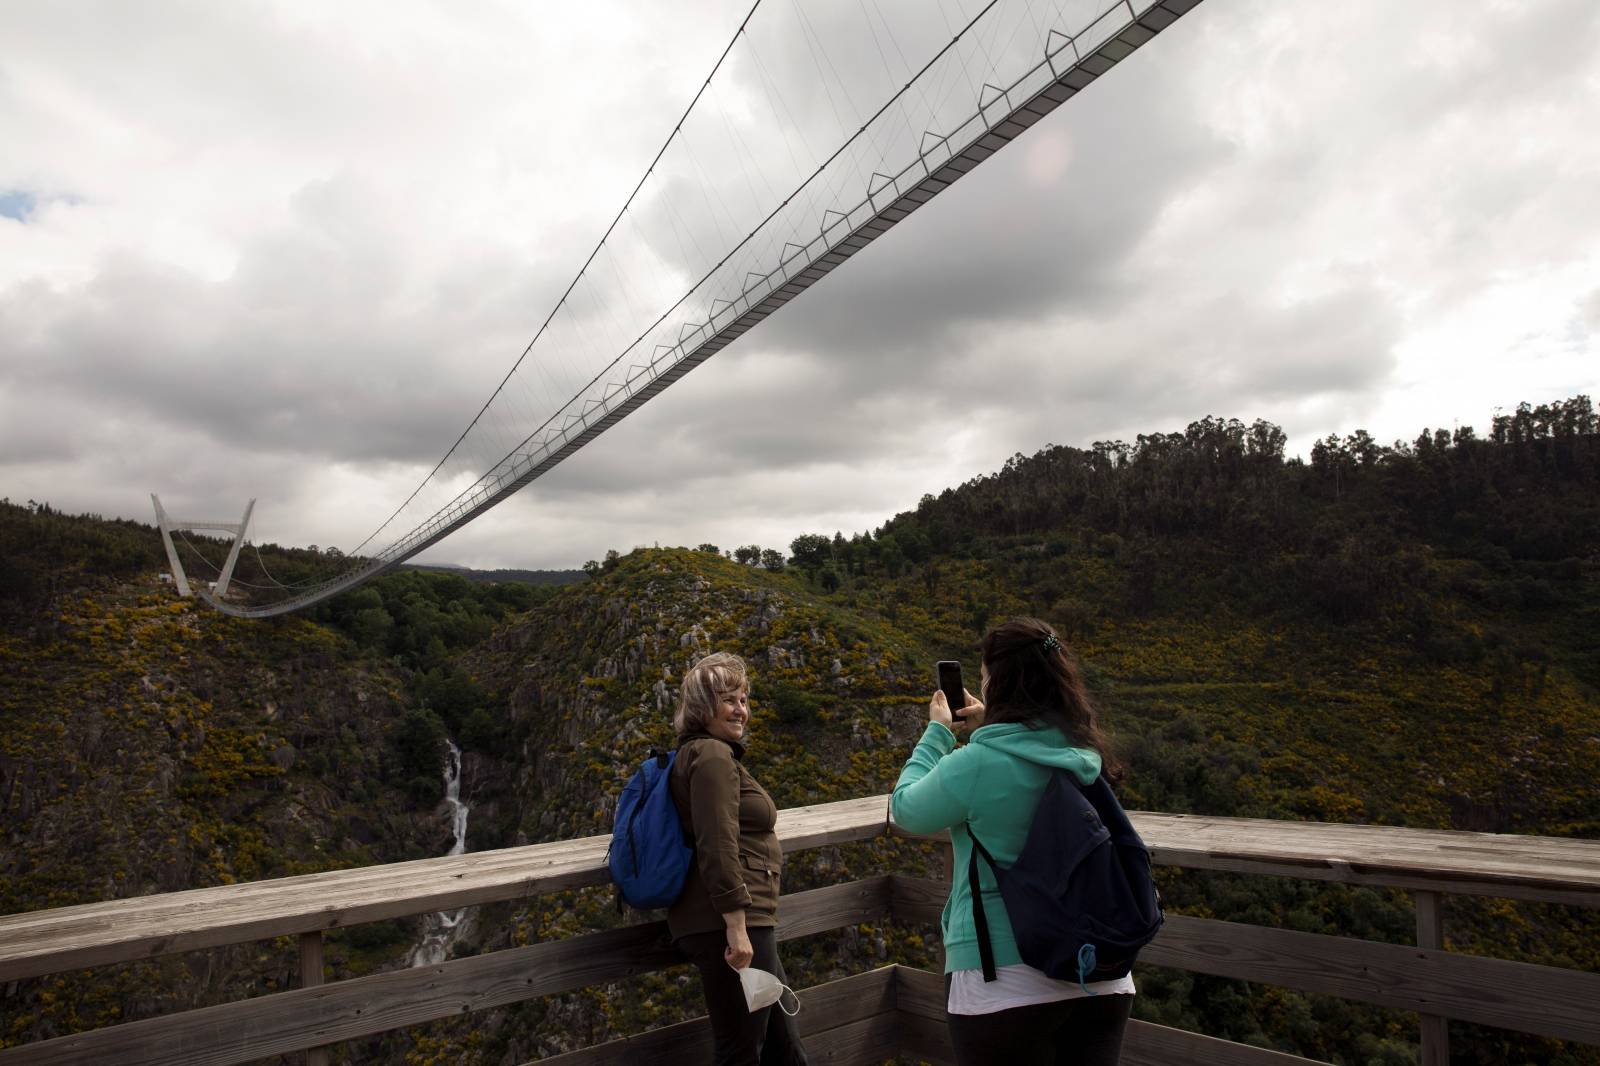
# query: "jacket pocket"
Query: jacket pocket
{"points": [[757, 865]]}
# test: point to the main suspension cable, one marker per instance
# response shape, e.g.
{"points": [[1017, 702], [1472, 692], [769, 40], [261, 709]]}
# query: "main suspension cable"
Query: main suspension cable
{"points": [[676, 129]]}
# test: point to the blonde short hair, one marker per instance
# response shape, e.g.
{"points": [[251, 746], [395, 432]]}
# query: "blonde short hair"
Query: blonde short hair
{"points": [[706, 682]]}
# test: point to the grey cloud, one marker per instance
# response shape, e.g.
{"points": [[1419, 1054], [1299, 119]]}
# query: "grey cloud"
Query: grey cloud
{"points": [[1086, 379], [39, 427], [164, 347], [318, 344], [1337, 342], [1516, 51], [113, 464], [1589, 310], [221, 74]]}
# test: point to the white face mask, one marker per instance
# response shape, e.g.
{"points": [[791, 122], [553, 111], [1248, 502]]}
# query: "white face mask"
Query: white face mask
{"points": [[762, 989]]}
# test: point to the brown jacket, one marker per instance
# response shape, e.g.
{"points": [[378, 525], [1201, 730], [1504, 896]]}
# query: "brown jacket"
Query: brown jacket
{"points": [[737, 860]]}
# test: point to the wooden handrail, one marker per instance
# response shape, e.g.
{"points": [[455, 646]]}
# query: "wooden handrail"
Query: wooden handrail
{"points": [[1508, 866], [1545, 869], [94, 934]]}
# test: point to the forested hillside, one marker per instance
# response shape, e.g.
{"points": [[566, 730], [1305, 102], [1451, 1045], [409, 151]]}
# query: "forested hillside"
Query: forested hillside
{"points": [[1403, 634], [1452, 578]]}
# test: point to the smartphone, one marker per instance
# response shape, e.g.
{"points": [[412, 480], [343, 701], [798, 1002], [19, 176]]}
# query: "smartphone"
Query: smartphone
{"points": [[949, 674]]}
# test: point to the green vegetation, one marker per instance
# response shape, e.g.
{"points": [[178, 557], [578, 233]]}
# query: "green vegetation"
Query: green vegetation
{"points": [[422, 617], [1394, 635]]}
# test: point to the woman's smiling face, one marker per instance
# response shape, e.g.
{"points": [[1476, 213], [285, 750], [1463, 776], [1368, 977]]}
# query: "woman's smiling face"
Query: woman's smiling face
{"points": [[732, 718]]}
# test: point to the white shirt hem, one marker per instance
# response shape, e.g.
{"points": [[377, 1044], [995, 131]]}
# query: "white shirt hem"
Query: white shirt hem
{"points": [[1021, 986]]}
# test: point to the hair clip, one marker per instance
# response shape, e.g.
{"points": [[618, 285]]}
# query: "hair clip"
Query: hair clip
{"points": [[1051, 643]]}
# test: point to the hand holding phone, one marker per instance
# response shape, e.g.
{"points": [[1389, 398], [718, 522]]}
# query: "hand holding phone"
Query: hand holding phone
{"points": [[948, 672]]}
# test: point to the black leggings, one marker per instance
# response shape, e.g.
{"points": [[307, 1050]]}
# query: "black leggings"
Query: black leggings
{"points": [[1068, 1032], [740, 1037]]}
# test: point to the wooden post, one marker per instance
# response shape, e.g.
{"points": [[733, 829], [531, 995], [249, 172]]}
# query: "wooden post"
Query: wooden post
{"points": [[1430, 934], [310, 977]]}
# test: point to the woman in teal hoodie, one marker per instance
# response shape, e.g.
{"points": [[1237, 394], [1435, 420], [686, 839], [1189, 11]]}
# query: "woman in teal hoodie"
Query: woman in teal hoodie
{"points": [[1035, 717]]}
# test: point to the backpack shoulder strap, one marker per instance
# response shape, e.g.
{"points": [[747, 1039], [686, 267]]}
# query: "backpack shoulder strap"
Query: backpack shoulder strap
{"points": [[980, 920]]}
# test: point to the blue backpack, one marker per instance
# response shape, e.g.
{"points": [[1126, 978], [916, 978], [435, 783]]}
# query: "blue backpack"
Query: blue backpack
{"points": [[650, 854], [1080, 896]]}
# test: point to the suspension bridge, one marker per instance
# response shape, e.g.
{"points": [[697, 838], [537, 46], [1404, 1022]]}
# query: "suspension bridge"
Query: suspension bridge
{"points": [[776, 174]]}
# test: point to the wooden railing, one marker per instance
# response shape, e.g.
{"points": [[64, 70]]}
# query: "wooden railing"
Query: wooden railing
{"points": [[864, 1018]]}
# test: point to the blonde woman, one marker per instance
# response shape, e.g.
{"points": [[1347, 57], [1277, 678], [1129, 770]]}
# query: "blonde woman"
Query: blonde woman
{"points": [[727, 917]]}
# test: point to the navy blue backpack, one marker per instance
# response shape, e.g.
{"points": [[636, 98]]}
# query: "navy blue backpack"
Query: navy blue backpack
{"points": [[1080, 896], [650, 854]]}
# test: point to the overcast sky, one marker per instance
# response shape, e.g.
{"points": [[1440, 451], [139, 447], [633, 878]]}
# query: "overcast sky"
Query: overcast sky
{"points": [[285, 252]]}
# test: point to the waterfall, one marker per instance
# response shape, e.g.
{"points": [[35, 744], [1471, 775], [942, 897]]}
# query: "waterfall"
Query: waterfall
{"points": [[444, 928]]}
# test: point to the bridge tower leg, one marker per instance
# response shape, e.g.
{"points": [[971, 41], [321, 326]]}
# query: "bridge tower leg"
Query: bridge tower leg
{"points": [[233, 552], [178, 577]]}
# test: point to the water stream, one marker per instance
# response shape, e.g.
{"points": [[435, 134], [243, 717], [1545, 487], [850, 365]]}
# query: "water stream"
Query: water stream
{"points": [[443, 929]]}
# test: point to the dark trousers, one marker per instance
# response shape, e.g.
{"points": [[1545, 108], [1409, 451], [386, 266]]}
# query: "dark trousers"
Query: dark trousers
{"points": [[1070, 1032], [741, 1037]]}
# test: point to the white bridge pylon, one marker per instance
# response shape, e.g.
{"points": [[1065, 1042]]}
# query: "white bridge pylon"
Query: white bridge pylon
{"points": [[239, 530]]}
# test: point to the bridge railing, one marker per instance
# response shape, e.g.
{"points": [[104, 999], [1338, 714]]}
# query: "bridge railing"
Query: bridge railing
{"points": [[864, 1018]]}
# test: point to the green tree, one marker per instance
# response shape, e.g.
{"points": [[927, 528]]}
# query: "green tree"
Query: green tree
{"points": [[890, 557], [419, 742], [370, 628], [794, 705], [810, 551], [482, 731], [450, 694]]}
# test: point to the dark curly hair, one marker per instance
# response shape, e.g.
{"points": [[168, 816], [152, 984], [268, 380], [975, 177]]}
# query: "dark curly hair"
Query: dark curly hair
{"points": [[1033, 679]]}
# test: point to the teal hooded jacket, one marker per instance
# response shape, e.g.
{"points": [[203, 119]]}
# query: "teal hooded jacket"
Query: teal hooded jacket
{"points": [[992, 784]]}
